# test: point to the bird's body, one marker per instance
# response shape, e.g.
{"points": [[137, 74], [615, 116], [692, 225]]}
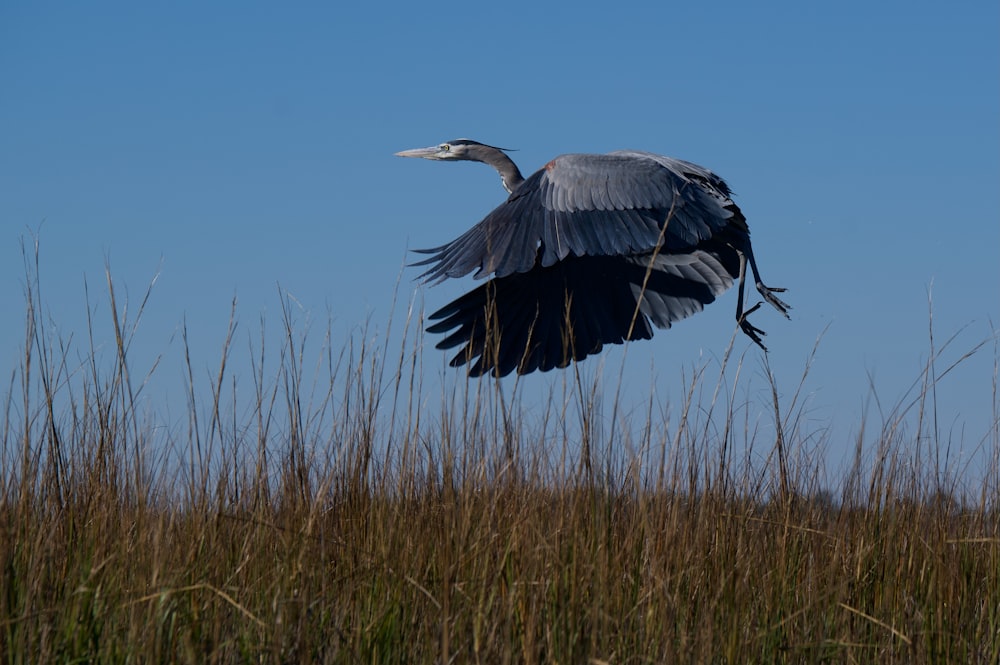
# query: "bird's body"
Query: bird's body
{"points": [[587, 251]]}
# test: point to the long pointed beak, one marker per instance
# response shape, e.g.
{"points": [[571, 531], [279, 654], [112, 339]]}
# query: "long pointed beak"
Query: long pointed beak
{"points": [[419, 152]]}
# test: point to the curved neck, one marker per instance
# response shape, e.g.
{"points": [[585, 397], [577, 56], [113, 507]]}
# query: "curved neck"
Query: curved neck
{"points": [[505, 166]]}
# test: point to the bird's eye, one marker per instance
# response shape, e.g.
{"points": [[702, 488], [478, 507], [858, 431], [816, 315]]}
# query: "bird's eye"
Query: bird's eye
{"points": [[444, 147]]}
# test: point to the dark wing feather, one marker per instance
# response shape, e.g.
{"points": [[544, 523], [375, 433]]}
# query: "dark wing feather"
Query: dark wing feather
{"points": [[546, 317], [620, 204]]}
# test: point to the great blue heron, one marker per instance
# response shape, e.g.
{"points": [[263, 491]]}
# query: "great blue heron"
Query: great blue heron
{"points": [[588, 251]]}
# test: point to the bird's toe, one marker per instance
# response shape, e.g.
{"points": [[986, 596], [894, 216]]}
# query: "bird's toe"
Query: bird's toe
{"points": [[767, 292]]}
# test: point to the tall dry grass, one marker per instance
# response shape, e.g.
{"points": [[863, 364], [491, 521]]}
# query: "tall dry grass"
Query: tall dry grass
{"points": [[334, 517]]}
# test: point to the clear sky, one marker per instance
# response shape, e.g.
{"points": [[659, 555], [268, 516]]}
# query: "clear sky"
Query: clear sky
{"points": [[235, 147]]}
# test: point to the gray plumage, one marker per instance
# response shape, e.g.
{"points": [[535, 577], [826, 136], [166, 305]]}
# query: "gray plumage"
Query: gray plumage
{"points": [[587, 251]]}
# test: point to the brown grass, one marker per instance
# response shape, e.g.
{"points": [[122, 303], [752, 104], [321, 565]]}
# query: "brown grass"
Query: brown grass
{"points": [[337, 520]]}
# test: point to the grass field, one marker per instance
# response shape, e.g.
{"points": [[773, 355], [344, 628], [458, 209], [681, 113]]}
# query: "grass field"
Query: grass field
{"points": [[341, 522]]}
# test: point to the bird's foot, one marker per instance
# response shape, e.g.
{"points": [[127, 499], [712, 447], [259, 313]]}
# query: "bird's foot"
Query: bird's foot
{"points": [[749, 329], [768, 294]]}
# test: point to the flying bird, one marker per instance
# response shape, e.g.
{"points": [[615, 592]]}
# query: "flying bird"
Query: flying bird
{"points": [[589, 250]]}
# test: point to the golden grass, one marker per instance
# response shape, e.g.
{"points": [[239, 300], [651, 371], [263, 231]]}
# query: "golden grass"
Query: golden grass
{"points": [[341, 522]]}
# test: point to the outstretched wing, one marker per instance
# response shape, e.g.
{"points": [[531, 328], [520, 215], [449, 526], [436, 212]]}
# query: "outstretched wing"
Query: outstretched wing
{"points": [[544, 318], [621, 204]]}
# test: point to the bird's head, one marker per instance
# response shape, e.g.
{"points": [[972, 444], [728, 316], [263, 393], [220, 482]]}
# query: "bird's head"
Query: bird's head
{"points": [[459, 149]]}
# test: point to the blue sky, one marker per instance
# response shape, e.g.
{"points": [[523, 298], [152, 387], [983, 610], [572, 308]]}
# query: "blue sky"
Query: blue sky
{"points": [[235, 147]]}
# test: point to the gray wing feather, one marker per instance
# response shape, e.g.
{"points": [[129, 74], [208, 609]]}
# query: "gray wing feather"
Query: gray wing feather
{"points": [[713, 269], [591, 205], [548, 316]]}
